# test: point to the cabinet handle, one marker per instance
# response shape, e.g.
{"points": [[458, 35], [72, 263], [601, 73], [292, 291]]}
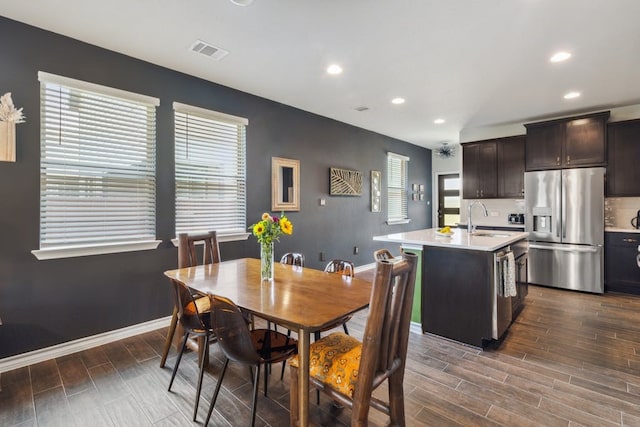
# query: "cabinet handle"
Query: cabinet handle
{"points": [[481, 193], [629, 240], [568, 159], [477, 193], [558, 160]]}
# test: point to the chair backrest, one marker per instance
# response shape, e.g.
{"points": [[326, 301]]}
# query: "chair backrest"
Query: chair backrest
{"points": [[341, 266], [187, 254], [386, 334], [231, 329], [382, 254], [188, 313], [293, 258]]}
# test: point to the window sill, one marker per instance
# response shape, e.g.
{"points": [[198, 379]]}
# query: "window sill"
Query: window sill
{"points": [[230, 236], [398, 221], [77, 251]]}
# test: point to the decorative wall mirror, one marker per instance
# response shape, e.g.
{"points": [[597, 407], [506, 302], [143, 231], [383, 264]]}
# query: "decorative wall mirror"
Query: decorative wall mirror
{"points": [[285, 184]]}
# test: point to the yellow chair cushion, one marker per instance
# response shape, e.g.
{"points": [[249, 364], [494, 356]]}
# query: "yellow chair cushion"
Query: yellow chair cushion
{"points": [[334, 360], [203, 304]]}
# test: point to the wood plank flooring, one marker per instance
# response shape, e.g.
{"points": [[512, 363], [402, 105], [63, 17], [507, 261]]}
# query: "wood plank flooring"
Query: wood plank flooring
{"points": [[570, 359]]}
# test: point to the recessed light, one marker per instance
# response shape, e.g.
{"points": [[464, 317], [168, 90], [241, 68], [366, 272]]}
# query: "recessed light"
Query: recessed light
{"points": [[560, 56], [397, 101], [334, 69], [572, 95], [438, 121]]}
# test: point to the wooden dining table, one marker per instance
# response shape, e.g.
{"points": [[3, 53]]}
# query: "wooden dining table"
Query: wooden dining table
{"points": [[301, 299]]}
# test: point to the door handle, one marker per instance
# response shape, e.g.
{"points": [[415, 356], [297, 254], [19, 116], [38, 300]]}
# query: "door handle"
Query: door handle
{"points": [[638, 260], [563, 208], [629, 240], [588, 249]]}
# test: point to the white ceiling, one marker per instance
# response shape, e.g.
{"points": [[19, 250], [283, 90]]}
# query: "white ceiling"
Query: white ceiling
{"points": [[474, 63]]}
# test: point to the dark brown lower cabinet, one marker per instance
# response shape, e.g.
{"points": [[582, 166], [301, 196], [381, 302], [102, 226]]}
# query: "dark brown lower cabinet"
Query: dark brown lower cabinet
{"points": [[621, 270]]}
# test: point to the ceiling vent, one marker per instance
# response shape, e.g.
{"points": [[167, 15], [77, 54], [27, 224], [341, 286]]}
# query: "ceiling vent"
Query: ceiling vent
{"points": [[209, 50], [362, 108]]}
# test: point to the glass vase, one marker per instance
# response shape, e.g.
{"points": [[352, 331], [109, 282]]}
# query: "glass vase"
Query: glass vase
{"points": [[266, 261]]}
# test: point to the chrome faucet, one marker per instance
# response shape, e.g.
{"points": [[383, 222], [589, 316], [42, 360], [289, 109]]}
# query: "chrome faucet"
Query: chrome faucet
{"points": [[471, 228]]}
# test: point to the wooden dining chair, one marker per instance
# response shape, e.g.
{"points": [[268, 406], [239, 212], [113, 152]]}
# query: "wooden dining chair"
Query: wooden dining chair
{"points": [[349, 370], [254, 348], [346, 268], [382, 254], [195, 324], [188, 257], [293, 258]]}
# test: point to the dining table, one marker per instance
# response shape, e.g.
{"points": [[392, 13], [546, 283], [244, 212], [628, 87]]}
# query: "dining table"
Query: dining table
{"points": [[301, 299]]}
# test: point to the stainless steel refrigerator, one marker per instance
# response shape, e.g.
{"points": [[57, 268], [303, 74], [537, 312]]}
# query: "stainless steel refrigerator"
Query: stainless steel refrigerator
{"points": [[565, 220]]}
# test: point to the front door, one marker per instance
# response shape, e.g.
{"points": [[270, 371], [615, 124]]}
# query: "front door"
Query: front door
{"points": [[448, 200]]}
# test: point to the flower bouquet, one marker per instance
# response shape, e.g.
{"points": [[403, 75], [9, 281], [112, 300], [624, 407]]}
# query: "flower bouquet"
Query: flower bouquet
{"points": [[268, 230]]}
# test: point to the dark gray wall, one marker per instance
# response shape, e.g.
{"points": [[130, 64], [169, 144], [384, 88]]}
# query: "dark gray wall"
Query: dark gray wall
{"points": [[43, 303]]}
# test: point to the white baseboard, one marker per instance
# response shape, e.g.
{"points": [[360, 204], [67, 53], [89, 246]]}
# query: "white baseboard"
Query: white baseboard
{"points": [[37, 356], [365, 267], [415, 328]]}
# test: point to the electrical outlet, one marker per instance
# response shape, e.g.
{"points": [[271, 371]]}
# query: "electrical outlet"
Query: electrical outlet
{"points": [[321, 256], [355, 250]]}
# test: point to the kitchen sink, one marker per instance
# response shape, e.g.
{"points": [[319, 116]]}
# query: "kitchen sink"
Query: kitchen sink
{"points": [[490, 234]]}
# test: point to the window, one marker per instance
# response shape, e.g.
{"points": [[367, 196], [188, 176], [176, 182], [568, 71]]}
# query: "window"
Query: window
{"points": [[210, 171], [397, 167], [97, 169]]}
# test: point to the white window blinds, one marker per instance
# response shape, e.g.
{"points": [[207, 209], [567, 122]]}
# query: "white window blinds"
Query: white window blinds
{"points": [[210, 170], [97, 167], [397, 167]]}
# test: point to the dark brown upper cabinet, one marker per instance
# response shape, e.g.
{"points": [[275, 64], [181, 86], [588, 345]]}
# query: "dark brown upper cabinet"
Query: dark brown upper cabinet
{"points": [[479, 171], [623, 170], [511, 155], [566, 143], [493, 168]]}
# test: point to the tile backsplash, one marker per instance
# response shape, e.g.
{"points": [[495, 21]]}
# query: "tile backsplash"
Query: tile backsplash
{"points": [[618, 211]]}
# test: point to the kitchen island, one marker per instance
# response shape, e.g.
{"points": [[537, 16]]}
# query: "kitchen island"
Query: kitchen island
{"points": [[462, 292]]}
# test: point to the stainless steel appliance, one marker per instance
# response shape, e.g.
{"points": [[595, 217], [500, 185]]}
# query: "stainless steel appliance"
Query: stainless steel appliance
{"points": [[565, 220], [503, 310]]}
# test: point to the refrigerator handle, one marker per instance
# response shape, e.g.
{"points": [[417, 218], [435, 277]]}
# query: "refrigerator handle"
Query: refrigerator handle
{"points": [[563, 208], [557, 212]]}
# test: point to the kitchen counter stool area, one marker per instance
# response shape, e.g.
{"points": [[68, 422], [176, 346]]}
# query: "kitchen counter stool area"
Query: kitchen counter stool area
{"points": [[569, 359]]}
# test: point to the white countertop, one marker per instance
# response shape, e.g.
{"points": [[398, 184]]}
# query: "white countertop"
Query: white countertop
{"points": [[460, 239], [620, 230]]}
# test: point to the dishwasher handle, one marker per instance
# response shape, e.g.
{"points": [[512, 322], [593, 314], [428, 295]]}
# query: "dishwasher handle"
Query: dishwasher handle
{"points": [[586, 249]]}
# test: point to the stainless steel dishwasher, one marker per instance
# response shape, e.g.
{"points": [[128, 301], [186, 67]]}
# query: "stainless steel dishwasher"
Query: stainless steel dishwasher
{"points": [[502, 313]]}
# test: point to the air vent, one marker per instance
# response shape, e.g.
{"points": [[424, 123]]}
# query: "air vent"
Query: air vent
{"points": [[361, 108], [209, 50]]}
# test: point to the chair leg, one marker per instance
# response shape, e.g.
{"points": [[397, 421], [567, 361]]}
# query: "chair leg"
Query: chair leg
{"points": [[215, 393], [346, 331], [170, 333], [284, 366], [175, 368], [199, 389], [396, 399], [255, 395], [266, 377]]}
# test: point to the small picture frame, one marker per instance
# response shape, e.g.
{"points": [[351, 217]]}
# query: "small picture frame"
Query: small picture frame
{"points": [[421, 188], [414, 187]]}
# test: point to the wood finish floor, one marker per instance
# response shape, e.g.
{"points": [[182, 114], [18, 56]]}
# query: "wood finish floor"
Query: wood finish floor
{"points": [[570, 359]]}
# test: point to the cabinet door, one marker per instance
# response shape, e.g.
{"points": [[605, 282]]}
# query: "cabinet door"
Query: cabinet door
{"points": [[479, 174], [544, 146], [585, 142], [622, 273], [487, 170], [623, 171], [511, 167], [470, 178]]}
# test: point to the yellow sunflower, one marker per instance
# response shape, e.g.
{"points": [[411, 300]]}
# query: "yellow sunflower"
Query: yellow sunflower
{"points": [[286, 226], [258, 229]]}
